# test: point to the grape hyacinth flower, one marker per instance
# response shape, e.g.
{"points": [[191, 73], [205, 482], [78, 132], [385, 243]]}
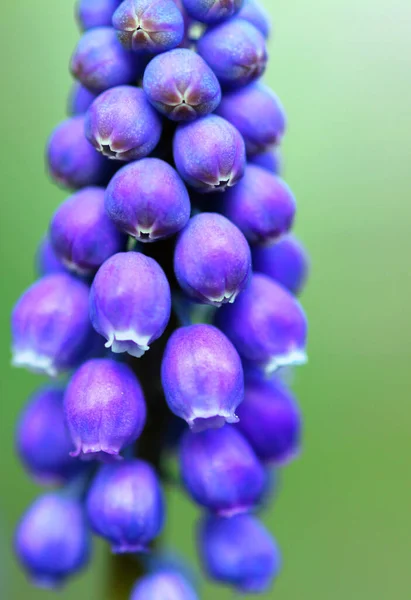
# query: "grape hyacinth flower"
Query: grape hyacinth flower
{"points": [[257, 114], [212, 260], [261, 205], [286, 262], [170, 90], [96, 13], [181, 85], [215, 164], [236, 52], [270, 420], [253, 12], [72, 160], [238, 552], [47, 261], [122, 125], [104, 407], [149, 25], [202, 377], [100, 62], [220, 470], [42, 439], [130, 302], [266, 325], [212, 11], [80, 99], [163, 585], [52, 540], [82, 234], [125, 505], [51, 329], [148, 200]]}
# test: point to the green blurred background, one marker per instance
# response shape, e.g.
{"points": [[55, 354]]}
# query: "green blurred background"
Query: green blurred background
{"points": [[343, 71]]}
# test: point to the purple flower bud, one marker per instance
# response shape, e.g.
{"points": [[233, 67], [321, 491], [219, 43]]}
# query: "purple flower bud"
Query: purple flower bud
{"points": [[181, 85], [52, 540], [82, 234], [202, 377], [212, 11], [100, 62], [270, 160], [239, 552], [221, 471], [270, 420], [51, 328], [47, 261], [149, 25], [122, 124], [80, 99], [215, 164], [96, 13], [255, 13], [212, 260], [104, 407], [125, 505], [72, 160], [130, 302], [266, 325], [42, 439], [286, 262], [148, 200], [236, 52], [163, 585], [257, 114], [261, 205]]}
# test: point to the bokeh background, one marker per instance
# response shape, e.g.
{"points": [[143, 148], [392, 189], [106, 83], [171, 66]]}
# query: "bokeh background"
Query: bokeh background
{"points": [[343, 71]]}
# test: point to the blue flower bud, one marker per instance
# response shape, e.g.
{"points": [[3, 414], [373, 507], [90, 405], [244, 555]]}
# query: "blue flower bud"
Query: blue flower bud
{"points": [[104, 407], [47, 261], [52, 540], [286, 262], [266, 325], [270, 160], [95, 13], [181, 85], [270, 420], [253, 12], [42, 438], [82, 234], [100, 62], [122, 124], [72, 160], [163, 585], [257, 114], [125, 505], [130, 302], [236, 52], [51, 328], [202, 377], [212, 11], [149, 25], [80, 99], [261, 205], [239, 552], [148, 200], [215, 164], [212, 259], [220, 470]]}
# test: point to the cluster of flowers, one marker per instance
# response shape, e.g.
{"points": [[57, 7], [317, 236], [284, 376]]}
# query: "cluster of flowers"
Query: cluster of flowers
{"points": [[170, 133]]}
